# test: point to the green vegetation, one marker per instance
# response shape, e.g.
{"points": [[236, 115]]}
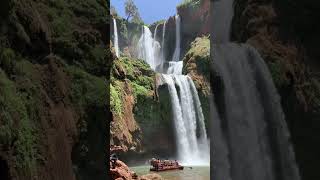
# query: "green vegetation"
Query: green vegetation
{"points": [[86, 89], [189, 3], [17, 127], [198, 57], [116, 98], [277, 71], [140, 78], [132, 11]]}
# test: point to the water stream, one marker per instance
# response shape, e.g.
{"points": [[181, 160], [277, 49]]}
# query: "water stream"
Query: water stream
{"points": [[115, 40]]}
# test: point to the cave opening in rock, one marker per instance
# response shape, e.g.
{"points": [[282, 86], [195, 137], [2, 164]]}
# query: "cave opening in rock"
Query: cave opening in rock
{"points": [[4, 170]]}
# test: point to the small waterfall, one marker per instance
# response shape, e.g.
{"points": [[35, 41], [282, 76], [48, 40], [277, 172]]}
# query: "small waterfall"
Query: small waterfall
{"points": [[115, 39], [176, 55], [163, 39], [155, 33], [187, 117], [175, 67]]}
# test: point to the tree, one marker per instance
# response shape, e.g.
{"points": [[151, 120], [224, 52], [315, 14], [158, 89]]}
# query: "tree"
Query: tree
{"points": [[113, 11], [131, 11]]}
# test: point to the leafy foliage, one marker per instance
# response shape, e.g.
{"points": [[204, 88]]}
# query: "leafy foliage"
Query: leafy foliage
{"points": [[190, 3], [131, 11]]}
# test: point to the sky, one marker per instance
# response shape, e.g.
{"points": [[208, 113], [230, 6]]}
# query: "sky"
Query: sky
{"points": [[150, 10]]}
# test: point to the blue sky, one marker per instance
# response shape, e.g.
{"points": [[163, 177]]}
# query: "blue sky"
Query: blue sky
{"points": [[150, 10]]}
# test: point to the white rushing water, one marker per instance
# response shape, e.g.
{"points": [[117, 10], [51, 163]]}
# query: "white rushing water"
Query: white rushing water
{"points": [[115, 38], [163, 40], [176, 55], [187, 117], [251, 137], [148, 48], [189, 122]]}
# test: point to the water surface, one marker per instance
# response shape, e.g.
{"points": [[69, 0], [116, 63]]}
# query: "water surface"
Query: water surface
{"points": [[196, 173]]}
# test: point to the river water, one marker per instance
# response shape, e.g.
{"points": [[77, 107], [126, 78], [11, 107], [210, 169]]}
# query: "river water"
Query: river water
{"points": [[196, 173]]}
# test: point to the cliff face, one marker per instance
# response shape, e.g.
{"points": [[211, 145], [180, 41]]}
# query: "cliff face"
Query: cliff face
{"points": [[196, 65], [53, 66], [139, 118], [195, 22], [285, 33]]}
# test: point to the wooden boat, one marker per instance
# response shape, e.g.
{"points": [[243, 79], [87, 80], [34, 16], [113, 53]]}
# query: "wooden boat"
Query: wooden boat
{"points": [[164, 165]]}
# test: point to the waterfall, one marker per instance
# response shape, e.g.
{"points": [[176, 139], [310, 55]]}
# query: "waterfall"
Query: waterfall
{"points": [[251, 138], [187, 117], [253, 123], [163, 39], [115, 39], [148, 48], [176, 55], [191, 136], [175, 67], [155, 33]]}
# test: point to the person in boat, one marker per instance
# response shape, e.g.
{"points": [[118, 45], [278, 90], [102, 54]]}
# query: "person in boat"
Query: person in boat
{"points": [[113, 159]]}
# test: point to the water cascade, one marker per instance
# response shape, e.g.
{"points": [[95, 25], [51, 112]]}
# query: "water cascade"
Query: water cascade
{"points": [[187, 117], [163, 39], [191, 136], [175, 66], [176, 55], [251, 138], [115, 30], [148, 48]]}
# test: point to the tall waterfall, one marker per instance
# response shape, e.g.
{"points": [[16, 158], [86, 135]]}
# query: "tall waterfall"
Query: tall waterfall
{"points": [[191, 136], [163, 39], [115, 38], [148, 48], [176, 55], [251, 138]]}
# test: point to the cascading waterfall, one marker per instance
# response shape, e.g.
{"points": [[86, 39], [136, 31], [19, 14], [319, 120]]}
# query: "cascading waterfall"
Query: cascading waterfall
{"points": [[251, 138], [192, 140], [115, 39], [187, 117]]}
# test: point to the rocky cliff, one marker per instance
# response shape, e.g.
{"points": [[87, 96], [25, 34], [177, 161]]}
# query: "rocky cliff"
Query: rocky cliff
{"points": [[195, 22], [141, 123], [54, 63], [286, 35], [196, 65]]}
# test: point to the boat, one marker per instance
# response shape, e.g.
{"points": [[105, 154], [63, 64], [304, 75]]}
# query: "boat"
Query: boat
{"points": [[164, 165]]}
